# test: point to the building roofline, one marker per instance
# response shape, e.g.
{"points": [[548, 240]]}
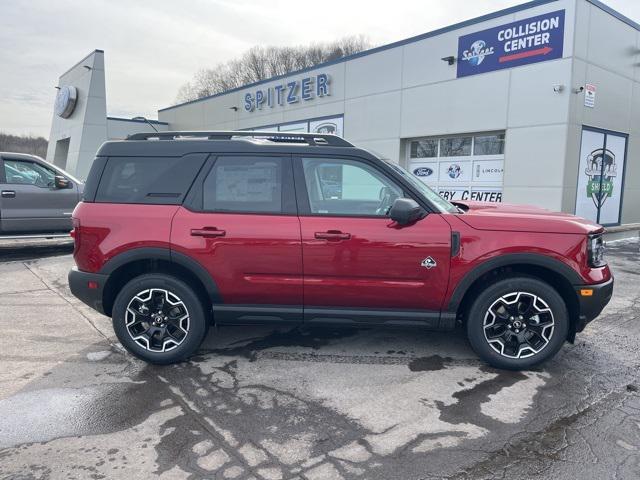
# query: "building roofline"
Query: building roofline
{"points": [[364, 53], [615, 13], [417, 38], [120, 119], [97, 50]]}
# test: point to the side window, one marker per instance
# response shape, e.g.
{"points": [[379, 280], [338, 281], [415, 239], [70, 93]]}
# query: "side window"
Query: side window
{"points": [[21, 172], [148, 180], [347, 187], [244, 185]]}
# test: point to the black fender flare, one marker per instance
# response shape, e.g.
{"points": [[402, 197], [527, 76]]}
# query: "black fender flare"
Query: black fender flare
{"points": [[536, 259], [168, 255]]}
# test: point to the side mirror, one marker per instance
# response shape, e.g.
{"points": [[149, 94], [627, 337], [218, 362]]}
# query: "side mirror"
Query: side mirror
{"points": [[406, 211], [61, 181]]}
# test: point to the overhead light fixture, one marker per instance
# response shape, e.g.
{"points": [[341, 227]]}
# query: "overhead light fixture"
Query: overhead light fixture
{"points": [[450, 59], [88, 67], [235, 109]]}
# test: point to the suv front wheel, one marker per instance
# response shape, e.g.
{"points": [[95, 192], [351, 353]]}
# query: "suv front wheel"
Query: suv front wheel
{"points": [[159, 318], [517, 323]]}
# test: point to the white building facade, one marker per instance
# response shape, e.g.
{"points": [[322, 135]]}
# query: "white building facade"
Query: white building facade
{"points": [[536, 104], [80, 123]]}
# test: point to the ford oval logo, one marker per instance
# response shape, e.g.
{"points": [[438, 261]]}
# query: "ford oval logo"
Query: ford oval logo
{"points": [[422, 172]]}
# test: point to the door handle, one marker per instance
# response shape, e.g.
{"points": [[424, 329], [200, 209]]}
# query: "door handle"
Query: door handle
{"points": [[208, 232], [8, 194], [332, 235]]}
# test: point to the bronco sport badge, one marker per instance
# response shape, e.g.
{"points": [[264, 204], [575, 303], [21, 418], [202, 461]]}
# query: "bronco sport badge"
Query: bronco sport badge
{"points": [[429, 263]]}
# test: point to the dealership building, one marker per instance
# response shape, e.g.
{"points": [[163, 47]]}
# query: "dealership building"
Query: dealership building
{"points": [[536, 104]]}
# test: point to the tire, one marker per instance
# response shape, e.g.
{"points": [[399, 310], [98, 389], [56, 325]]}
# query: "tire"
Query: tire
{"points": [[505, 339], [159, 339]]}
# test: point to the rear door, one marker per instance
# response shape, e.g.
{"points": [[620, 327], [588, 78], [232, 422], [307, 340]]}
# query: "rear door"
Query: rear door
{"points": [[240, 222], [358, 264], [30, 200]]}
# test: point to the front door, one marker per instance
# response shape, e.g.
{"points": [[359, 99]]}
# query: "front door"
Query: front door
{"points": [[243, 228], [30, 201], [358, 264]]}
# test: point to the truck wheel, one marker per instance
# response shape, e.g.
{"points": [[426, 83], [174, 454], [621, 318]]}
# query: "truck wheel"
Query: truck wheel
{"points": [[517, 323], [159, 318]]}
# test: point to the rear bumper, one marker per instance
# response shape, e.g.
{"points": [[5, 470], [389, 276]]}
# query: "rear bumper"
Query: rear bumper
{"points": [[79, 284], [591, 305]]}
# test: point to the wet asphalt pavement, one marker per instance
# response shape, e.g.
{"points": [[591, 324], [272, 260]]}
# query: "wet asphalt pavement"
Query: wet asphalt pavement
{"points": [[14, 250], [308, 404]]}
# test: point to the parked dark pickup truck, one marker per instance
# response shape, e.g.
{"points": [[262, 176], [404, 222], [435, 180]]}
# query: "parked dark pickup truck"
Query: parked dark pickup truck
{"points": [[36, 197]]}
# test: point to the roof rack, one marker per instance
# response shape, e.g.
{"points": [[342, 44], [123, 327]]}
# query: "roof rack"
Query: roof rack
{"points": [[314, 139]]}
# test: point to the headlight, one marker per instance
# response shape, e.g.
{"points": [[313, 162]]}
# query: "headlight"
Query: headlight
{"points": [[595, 251]]}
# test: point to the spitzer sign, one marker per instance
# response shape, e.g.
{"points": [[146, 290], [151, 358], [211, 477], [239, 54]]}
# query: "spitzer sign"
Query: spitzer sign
{"points": [[532, 40]]}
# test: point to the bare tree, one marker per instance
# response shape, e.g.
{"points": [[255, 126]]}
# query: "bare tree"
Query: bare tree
{"points": [[23, 144], [260, 63]]}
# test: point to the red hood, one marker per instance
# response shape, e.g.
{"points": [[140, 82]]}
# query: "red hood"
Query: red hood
{"points": [[522, 218]]}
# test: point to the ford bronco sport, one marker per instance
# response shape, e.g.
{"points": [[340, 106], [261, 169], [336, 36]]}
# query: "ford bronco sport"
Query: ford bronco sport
{"points": [[178, 230]]}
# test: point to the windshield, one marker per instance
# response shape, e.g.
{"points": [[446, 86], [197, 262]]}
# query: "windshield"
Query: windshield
{"points": [[436, 200]]}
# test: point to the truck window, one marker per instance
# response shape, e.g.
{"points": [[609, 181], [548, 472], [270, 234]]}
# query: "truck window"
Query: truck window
{"points": [[23, 172]]}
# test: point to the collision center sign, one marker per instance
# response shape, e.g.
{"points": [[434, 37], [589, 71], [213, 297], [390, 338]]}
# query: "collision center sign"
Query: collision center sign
{"points": [[532, 40]]}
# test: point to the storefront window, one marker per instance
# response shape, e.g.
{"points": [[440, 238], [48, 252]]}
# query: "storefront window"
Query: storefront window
{"points": [[488, 144], [427, 148], [455, 147], [460, 167]]}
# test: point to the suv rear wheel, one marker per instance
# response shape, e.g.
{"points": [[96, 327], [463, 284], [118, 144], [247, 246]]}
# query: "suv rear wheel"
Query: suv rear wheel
{"points": [[517, 323], [159, 318]]}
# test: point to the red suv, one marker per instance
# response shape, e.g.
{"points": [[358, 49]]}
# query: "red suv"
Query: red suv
{"points": [[178, 230]]}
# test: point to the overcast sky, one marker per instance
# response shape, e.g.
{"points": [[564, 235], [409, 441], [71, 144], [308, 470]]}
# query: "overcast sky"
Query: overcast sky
{"points": [[153, 47]]}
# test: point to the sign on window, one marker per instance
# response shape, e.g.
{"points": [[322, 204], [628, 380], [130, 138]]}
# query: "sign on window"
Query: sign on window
{"points": [[600, 176]]}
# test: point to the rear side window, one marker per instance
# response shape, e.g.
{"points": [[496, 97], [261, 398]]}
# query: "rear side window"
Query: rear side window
{"points": [[152, 180], [244, 185]]}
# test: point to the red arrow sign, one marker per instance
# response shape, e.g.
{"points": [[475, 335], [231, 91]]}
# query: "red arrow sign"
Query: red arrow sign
{"points": [[529, 53]]}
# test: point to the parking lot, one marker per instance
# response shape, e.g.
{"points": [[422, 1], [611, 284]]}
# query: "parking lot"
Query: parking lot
{"points": [[310, 404]]}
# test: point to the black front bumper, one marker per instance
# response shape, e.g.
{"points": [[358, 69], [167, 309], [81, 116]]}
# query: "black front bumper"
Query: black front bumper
{"points": [[591, 306], [79, 284]]}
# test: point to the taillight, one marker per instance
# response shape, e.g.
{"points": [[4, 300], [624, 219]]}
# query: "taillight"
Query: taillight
{"points": [[75, 234]]}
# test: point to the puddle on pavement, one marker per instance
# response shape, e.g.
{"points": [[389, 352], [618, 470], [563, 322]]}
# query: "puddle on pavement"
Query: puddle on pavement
{"points": [[467, 408], [41, 415], [428, 364], [313, 338], [12, 253]]}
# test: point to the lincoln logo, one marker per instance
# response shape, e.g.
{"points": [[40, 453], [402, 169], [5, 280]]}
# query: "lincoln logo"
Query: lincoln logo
{"points": [[480, 170]]}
